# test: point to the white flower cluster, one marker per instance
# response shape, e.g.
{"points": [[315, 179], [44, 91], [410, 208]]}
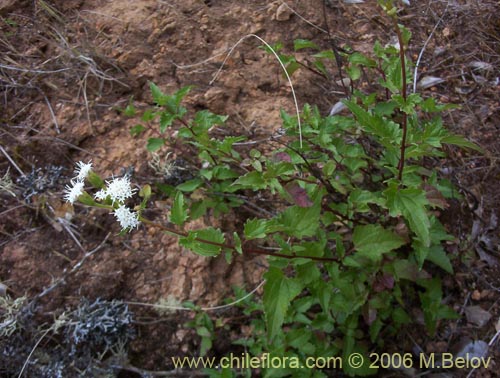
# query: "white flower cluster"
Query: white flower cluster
{"points": [[118, 190], [75, 190]]}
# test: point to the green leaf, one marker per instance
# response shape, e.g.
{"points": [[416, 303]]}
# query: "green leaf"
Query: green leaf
{"points": [[86, 199], [237, 243], [96, 180], [158, 96], [148, 115], [190, 185], [327, 54], [411, 203], [438, 256], [178, 214], [302, 221], [255, 228], [460, 141], [292, 67], [136, 130], [373, 241], [358, 58], [204, 242], [299, 44], [279, 291], [251, 180], [154, 144], [166, 119], [129, 110]]}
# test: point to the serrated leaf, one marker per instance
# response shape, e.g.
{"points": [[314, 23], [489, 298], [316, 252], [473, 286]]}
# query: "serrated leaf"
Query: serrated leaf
{"points": [[255, 228], [178, 214], [302, 221], [158, 96], [154, 144], [279, 291], [438, 256], [204, 242], [136, 130], [166, 119], [251, 180], [148, 115], [237, 243], [373, 241], [411, 203], [460, 141]]}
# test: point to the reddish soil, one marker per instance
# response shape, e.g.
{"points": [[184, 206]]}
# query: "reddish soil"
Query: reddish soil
{"points": [[68, 67]]}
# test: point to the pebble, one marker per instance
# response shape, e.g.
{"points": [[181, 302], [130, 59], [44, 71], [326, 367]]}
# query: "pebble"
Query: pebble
{"points": [[283, 13]]}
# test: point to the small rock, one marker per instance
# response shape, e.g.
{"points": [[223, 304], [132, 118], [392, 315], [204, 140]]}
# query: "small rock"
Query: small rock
{"points": [[477, 316], [476, 295], [283, 13], [474, 349]]}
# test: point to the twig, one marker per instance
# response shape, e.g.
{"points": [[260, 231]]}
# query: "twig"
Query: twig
{"points": [[54, 119], [180, 308], [31, 353], [415, 75], [11, 161], [490, 344], [282, 66], [303, 19], [74, 269]]}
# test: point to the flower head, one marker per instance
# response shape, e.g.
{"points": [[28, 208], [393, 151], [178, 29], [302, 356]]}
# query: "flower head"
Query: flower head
{"points": [[82, 170], [119, 189], [74, 191], [127, 218], [101, 194]]}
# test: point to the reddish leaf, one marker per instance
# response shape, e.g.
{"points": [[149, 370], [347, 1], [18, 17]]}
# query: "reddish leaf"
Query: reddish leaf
{"points": [[299, 195], [384, 282], [435, 197], [283, 156]]}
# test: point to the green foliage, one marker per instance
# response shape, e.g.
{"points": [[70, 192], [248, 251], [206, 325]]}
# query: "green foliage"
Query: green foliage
{"points": [[353, 227]]}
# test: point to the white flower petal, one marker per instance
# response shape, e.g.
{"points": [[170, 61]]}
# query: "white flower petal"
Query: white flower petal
{"points": [[127, 218], [119, 189], [73, 192], [101, 195], [82, 170]]}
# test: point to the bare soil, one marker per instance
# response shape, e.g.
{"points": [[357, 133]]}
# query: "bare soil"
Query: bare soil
{"points": [[68, 67]]}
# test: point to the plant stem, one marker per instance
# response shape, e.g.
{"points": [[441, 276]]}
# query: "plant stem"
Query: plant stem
{"points": [[232, 247], [404, 122]]}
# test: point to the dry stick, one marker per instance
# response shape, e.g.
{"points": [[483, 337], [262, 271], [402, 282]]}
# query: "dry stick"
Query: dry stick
{"points": [[404, 94], [74, 269], [177, 308], [415, 75], [490, 344], [282, 66], [305, 20], [54, 119], [31, 353], [11, 161]]}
